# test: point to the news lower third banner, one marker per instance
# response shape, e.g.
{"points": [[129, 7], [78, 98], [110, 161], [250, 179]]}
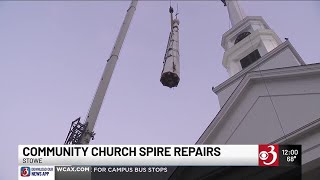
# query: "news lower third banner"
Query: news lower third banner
{"points": [[105, 161]]}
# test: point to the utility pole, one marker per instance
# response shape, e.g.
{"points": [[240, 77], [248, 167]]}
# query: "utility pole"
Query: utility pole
{"points": [[82, 133]]}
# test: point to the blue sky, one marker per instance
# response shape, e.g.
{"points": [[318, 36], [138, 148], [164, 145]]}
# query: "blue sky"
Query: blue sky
{"points": [[52, 55]]}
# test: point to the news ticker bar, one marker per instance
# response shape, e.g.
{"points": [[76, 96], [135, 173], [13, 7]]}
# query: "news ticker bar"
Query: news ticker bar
{"points": [[157, 172], [160, 155], [90, 172]]}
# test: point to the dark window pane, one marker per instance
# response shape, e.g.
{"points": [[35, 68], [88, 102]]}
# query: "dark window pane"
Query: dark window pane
{"points": [[251, 58]]}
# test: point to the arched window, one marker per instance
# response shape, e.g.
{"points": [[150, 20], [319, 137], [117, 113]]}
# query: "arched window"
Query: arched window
{"points": [[241, 36]]}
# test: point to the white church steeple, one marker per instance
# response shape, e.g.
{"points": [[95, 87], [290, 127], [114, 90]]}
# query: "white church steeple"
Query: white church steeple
{"points": [[248, 40], [236, 13]]}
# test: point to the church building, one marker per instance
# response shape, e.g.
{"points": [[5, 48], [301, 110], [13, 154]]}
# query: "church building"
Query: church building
{"points": [[271, 97]]}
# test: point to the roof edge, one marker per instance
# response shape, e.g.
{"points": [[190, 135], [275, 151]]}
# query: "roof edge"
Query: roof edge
{"points": [[255, 75]]}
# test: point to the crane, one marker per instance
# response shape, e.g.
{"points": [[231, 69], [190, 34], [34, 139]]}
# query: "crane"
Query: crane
{"points": [[82, 133]]}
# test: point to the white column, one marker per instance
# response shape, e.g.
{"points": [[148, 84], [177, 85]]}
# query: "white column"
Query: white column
{"points": [[236, 13]]}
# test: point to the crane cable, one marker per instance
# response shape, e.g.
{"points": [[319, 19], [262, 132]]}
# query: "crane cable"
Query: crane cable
{"points": [[266, 87]]}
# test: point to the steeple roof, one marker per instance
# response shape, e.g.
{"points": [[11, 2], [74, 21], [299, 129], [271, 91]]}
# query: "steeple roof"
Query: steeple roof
{"points": [[236, 13]]}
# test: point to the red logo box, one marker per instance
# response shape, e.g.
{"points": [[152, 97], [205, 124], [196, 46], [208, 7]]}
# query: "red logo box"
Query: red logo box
{"points": [[268, 155], [25, 171]]}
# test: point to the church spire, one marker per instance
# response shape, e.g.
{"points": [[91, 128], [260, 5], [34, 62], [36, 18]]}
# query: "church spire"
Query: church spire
{"points": [[236, 13], [249, 39]]}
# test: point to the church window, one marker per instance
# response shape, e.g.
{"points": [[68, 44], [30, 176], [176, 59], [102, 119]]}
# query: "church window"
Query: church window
{"points": [[241, 36], [249, 59]]}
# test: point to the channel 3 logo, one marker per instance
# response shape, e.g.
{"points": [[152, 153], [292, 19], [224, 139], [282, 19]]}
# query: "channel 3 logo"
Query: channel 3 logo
{"points": [[268, 155], [25, 171]]}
